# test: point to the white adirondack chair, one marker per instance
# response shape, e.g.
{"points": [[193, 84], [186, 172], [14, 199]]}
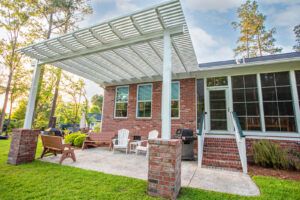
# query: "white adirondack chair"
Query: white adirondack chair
{"points": [[122, 141], [140, 148]]}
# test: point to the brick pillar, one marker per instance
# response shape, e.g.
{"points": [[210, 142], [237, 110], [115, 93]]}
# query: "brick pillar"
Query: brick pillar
{"points": [[164, 168], [22, 146]]}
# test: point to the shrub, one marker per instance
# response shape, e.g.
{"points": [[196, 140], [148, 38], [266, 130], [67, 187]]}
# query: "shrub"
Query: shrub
{"points": [[97, 128], [71, 137], [268, 154], [79, 140]]}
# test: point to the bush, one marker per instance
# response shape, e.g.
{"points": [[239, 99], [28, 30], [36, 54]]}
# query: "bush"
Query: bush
{"points": [[268, 154], [79, 140], [69, 139], [97, 128]]}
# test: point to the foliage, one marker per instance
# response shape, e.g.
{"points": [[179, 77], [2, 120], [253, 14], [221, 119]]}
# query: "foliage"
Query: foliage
{"points": [[15, 17], [97, 101], [254, 39], [97, 128], [40, 180], [268, 154], [79, 140], [69, 139], [297, 34]]}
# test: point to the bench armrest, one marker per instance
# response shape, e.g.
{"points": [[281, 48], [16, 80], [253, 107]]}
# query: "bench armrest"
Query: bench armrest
{"points": [[67, 146]]}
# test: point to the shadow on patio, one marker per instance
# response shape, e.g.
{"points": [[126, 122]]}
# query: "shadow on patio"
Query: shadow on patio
{"points": [[136, 166]]}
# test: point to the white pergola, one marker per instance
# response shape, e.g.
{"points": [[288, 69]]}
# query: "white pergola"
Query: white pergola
{"points": [[149, 45]]}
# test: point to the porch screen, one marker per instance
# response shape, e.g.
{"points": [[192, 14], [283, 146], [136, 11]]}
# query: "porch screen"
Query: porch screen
{"points": [[144, 100], [175, 100], [121, 101], [298, 84], [246, 102], [278, 102]]}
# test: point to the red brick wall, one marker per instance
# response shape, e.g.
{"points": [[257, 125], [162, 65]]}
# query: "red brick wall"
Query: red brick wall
{"points": [[143, 126]]}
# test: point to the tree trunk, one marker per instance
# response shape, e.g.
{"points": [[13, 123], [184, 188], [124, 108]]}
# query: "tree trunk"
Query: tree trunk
{"points": [[54, 101], [49, 32], [7, 90], [9, 115], [259, 45]]}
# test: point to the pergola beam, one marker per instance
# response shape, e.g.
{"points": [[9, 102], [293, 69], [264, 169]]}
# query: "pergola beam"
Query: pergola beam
{"points": [[113, 45]]}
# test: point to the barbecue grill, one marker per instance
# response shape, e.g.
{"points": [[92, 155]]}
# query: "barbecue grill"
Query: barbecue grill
{"points": [[187, 137]]}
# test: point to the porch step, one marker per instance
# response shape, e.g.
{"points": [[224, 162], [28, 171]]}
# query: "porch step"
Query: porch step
{"points": [[221, 153], [223, 164], [222, 156]]}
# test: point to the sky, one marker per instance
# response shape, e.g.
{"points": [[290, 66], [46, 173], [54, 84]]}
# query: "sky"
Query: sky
{"points": [[209, 22]]}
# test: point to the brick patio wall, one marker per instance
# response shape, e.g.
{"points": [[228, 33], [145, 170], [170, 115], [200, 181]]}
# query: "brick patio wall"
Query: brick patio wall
{"points": [[164, 168], [23, 146], [143, 126]]}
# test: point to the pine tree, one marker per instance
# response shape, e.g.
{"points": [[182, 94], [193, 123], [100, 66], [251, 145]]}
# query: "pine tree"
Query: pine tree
{"points": [[254, 39], [297, 33]]}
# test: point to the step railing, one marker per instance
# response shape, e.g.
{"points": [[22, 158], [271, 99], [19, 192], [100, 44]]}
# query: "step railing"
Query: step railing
{"points": [[201, 136], [240, 141]]}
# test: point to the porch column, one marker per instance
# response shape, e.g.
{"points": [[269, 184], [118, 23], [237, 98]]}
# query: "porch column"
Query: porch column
{"points": [[32, 96], [166, 87]]}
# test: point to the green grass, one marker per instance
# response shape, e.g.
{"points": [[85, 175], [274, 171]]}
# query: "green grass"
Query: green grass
{"points": [[39, 180]]}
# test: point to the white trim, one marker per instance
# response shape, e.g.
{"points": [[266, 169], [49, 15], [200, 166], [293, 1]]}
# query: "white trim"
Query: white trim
{"points": [[261, 104], [137, 100], [115, 102], [179, 100], [295, 98], [229, 104]]}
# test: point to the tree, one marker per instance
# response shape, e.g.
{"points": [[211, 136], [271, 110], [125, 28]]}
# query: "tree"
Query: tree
{"points": [[97, 101], [254, 39], [76, 102], [14, 18], [19, 87], [297, 33]]}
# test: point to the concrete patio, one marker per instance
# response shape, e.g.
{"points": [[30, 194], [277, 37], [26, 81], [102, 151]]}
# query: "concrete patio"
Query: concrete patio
{"points": [[136, 166]]}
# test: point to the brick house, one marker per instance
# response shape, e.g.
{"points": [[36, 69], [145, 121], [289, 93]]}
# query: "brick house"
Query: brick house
{"points": [[146, 63]]}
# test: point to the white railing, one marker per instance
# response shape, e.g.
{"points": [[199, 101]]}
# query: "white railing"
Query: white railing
{"points": [[240, 141], [201, 136]]}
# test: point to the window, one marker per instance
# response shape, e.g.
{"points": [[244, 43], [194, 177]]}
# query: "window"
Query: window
{"points": [[246, 101], [298, 84], [175, 99], [278, 102], [144, 100], [200, 100], [121, 102], [217, 81]]}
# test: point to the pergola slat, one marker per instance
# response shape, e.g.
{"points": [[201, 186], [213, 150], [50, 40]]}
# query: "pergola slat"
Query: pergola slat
{"points": [[125, 49]]}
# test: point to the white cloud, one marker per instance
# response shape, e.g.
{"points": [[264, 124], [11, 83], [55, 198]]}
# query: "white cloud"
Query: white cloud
{"points": [[126, 6], [287, 17], [207, 48], [208, 5]]}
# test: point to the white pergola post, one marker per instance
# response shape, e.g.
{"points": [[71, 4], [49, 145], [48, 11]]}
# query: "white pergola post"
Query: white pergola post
{"points": [[166, 87], [32, 96]]}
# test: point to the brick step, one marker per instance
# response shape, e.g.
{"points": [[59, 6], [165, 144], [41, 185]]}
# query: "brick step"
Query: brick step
{"points": [[233, 150], [222, 164], [222, 156], [220, 144]]}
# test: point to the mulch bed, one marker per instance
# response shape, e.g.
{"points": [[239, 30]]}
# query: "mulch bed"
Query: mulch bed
{"points": [[283, 174]]}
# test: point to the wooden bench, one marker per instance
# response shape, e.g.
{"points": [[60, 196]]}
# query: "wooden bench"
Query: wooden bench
{"points": [[97, 140], [54, 144]]}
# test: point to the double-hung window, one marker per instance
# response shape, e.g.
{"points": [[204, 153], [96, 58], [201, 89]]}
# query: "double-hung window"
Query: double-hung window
{"points": [[121, 102], [175, 100], [144, 101]]}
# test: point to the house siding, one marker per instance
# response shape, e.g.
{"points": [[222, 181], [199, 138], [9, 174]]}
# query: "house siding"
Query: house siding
{"points": [[139, 126]]}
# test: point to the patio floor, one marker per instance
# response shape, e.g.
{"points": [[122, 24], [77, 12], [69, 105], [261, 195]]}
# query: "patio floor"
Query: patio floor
{"points": [[131, 165]]}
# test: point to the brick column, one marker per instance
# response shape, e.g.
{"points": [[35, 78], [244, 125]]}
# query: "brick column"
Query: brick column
{"points": [[164, 168], [23, 146]]}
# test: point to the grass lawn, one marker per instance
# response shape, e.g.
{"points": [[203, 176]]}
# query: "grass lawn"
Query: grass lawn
{"points": [[39, 180]]}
